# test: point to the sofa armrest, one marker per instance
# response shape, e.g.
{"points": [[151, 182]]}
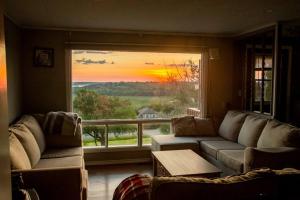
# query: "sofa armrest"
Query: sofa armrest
{"points": [[58, 183], [275, 158]]}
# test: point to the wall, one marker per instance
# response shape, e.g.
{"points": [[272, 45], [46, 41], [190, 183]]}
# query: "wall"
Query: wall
{"points": [[5, 187], [45, 88], [14, 81]]}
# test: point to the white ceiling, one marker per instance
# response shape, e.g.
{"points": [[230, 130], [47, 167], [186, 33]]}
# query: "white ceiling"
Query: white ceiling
{"points": [[185, 16]]}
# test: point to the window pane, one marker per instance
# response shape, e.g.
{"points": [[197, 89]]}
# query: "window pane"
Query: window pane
{"points": [[131, 85], [257, 90], [155, 129], [267, 91], [122, 135], [258, 62], [93, 135], [258, 74], [268, 75], [268, 62]]}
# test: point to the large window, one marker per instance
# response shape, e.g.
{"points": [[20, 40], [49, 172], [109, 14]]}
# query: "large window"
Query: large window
{"points": [[137, 87]]}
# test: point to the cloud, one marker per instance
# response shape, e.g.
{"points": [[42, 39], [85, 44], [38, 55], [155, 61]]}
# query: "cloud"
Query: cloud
{"points": [[149, 63], [181, 65], [90, 61]]}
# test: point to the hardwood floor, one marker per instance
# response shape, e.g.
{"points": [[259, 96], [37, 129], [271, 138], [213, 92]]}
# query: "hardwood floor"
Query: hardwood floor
{"points": [[104, 179]]}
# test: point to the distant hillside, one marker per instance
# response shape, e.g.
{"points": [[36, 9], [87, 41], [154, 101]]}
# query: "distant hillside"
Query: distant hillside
{"points": [[127, 88]]}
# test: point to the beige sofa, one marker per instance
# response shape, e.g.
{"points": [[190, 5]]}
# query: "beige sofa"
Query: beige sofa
{"points": [[244, 141], [254, 185], [53, 165]]}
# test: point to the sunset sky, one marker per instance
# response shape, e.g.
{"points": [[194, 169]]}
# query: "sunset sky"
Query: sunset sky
{"points": [[116, 66]]}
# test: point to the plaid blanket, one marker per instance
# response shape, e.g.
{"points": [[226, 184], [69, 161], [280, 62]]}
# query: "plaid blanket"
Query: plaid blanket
{"points": [[61, 123], [135, 187]]}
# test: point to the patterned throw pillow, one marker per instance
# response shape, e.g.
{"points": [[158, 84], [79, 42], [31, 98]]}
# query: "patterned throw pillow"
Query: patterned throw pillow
{"points": [[135, 187], [184, 126]]}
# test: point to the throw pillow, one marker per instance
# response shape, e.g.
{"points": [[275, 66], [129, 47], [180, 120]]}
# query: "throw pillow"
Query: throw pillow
{"points": [[251, 130], [184, 126], [18, 156], [231, 125], [28, 141], [276, 134]]}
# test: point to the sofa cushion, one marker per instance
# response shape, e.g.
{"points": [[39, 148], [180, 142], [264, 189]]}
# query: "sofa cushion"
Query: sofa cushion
{"points": [[233, 159], [212, 147], [28, 141], [184, 126], [276, 134], [251, 130], [205, 127], [65, 162], [32, 124], [62, 152], [18, 156], [231, 125]]}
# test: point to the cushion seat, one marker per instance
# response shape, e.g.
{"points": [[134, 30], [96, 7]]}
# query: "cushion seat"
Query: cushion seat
{"points": [[212, 147], [170, 142], [65, 162], [62, 152], [232, 158]]}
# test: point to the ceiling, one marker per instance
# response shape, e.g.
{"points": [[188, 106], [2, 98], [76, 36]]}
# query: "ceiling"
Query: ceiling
{"points": [[180, 16]]}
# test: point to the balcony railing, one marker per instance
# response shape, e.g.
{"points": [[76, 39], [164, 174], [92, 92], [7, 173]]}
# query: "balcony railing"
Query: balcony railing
{"points": [[106, 123], [193, 111]]}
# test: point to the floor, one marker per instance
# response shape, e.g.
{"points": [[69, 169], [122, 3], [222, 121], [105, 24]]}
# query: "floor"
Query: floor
{"points": [[104, 179]]}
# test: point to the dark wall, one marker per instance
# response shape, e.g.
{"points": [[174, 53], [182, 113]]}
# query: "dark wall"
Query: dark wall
{"points": [[13, 63], [46, 89]]}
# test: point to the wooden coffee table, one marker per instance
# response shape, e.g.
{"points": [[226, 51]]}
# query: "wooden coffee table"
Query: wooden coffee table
{"points": [[182, 163]]}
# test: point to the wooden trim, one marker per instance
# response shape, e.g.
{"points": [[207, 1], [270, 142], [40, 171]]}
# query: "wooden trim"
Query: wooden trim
{"points": [[124, 121], [68, 63]]}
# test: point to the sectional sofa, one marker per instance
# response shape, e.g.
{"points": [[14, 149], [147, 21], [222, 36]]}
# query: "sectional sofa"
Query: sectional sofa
{"points": [[51, 164], [244, 141]]}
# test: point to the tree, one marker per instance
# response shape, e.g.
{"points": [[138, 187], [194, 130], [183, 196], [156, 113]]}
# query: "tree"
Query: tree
{"points": [[91, 105], [183, 81]]}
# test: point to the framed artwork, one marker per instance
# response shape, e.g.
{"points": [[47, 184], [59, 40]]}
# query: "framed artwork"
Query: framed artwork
{"points": [[43, 57]]}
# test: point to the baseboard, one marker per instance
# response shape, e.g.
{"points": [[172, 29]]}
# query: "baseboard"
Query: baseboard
{"points": [[115, 162]]}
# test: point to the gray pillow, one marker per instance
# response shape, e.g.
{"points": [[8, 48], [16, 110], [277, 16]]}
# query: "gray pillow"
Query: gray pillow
{"points": [[28, 142], [231, 125], [18, 156], [276, 134], [251, 130]]}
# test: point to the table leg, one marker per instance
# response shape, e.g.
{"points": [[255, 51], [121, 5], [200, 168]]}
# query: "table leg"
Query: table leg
{"points": [[154, 161]]}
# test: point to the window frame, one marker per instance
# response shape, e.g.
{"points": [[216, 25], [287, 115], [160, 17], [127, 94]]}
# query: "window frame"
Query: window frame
{"points": [[68, 60]]}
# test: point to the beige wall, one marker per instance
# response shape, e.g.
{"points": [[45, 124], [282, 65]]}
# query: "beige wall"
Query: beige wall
{"points": [[45, 88], [14, 81]]}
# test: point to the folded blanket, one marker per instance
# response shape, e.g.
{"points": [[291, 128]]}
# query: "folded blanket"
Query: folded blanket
{"points": [[135, 187], [61, 123]]}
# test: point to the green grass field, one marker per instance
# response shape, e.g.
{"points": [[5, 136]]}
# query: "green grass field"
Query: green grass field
{"points": [[120, 141], [142, 101]]}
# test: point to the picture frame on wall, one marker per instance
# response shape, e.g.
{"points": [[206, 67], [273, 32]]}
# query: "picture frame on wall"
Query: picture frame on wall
{"points": [[43, 57]]}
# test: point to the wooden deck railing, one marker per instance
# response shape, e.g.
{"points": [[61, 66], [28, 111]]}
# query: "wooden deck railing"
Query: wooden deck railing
{"points": [[193, 111], [138, 122]]}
